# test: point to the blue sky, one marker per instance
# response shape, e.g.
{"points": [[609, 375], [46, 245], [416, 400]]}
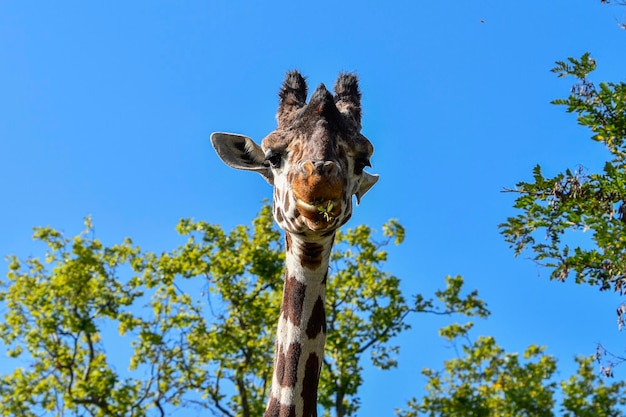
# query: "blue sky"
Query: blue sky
{"points": [[107, 110]]}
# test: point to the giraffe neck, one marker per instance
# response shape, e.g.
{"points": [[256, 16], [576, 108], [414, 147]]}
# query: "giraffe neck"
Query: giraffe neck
{"points": [[301, 333]]}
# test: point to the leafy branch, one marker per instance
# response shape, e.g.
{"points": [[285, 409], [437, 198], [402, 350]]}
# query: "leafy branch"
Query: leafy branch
{"points": [[575, 222]]}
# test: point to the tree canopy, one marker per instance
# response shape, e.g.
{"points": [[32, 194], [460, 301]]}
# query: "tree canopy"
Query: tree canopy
{"points": [[556, 210], [486, 381], [113, 330], [574, 222]]}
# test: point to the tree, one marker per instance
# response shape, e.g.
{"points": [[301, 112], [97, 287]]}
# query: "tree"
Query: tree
{"points": [[488, 382], [575, 222], [114, 331]]}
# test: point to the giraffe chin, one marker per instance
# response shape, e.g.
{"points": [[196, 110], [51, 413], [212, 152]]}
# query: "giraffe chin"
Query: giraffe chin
{"points": [[321, 216]]}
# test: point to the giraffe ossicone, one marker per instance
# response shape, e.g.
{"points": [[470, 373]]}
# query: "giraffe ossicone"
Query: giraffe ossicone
{"points": [[316, 160]]}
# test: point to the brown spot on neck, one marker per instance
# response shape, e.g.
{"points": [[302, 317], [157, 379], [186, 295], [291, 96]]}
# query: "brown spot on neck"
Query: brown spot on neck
{"points": [[309, 386], [287, 365], [276, 409], [287, 242], [317, 321], [293, 300]]}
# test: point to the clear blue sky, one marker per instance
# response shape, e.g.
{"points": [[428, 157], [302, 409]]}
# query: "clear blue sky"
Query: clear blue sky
{"points": [[107, 107]]}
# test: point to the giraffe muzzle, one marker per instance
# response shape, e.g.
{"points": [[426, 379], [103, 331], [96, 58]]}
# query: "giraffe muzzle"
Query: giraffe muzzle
{"points": [[319, 214]]}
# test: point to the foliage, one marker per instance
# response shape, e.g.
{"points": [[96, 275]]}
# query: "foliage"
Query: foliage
{"points": [[575, 222], [488, 382], [116, 331], [366, 310]]}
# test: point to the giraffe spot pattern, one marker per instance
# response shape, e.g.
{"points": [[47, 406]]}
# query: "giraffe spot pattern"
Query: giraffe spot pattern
{"points": [[293, 300], [287, 242], [290, 368], [276, 409], [309, 386], [279, 365], [311, 256], [317, 321], [287, 410], [278, 216]]}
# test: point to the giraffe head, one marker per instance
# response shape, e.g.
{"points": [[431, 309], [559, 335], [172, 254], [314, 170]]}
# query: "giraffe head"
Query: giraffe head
{"points": [[315, 159]]}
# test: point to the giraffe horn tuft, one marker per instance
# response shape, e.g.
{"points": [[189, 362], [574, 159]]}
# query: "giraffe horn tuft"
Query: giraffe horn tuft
{"points": [[294, 89], [292, 97], [347, 88], [348, 96]]}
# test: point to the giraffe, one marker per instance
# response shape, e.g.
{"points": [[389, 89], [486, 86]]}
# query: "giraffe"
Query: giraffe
{"points": [[315, 160]]}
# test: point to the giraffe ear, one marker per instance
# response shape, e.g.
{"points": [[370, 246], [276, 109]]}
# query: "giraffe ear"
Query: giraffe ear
{"points": [[240, 152], [367, 182]]}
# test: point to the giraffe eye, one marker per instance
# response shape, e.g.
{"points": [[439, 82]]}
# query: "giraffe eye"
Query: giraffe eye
{"points": [[360, 164], [273, 158]]}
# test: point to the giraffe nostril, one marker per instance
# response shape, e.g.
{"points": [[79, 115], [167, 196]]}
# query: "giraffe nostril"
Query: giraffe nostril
{"points": [[329, 168]]}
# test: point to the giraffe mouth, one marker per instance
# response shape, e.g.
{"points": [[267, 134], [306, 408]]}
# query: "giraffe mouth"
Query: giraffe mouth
{"points": [[319, 214]]}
